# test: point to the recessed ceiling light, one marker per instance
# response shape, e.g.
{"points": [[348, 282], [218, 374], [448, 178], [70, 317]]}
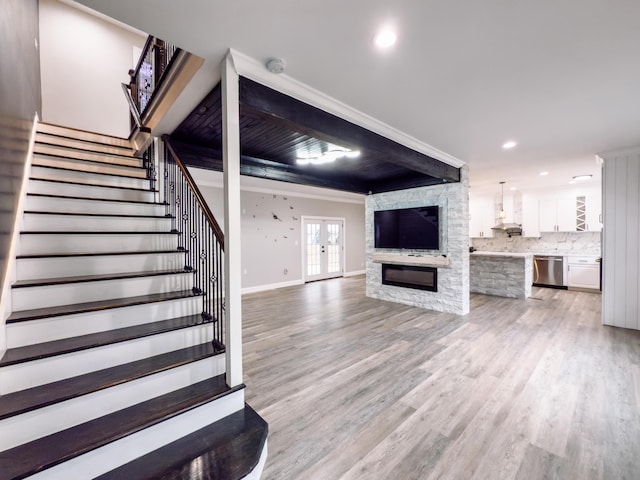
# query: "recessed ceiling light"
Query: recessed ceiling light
{"points": [[385, 39], [512, 188], [509, 144], [571, 182], [544, 173], [579, 178]]}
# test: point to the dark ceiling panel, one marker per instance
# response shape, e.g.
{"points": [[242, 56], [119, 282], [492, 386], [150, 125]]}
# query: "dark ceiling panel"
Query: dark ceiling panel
{"points": [[275, 130]]}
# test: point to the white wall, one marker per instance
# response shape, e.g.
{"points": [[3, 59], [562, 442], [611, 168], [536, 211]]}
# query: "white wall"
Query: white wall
{"points": [[621, 245], [83, 60], [271, 227]]}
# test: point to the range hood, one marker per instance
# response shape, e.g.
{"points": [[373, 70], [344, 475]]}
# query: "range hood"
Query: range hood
{"points": [[510, 228]]}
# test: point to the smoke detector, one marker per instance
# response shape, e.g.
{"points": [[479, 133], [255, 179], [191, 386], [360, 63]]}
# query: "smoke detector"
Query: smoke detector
{"points": [[276, 65]]}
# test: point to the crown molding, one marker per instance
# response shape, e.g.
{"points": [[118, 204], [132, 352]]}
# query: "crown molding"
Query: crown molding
{"points": [[251, 68]]}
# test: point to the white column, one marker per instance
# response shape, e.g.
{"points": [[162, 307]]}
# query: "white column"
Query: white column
{"points": [[620, 250], [232, 213]]}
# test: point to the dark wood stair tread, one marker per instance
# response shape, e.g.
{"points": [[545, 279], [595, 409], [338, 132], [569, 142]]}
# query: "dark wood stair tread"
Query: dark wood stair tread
{"points": [[40, 396], [45, 452], [119, 187], [127, 154], [70, 156], [86, 214], [99, 254], [228, 449], [93, 199], [96, 232], [63, 346], [42, 282], [92, 173], [36, 313]]}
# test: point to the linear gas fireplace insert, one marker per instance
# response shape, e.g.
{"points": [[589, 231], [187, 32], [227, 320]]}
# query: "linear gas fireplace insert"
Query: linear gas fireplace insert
{"points": [[409, 276]]}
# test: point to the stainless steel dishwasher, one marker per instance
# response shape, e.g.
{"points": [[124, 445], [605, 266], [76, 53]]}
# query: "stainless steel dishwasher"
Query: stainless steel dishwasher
{"points": [[548, 271]]}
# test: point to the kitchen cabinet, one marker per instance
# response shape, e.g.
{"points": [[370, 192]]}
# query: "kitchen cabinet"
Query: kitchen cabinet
{"points": [[594, 212], [530, 226], [583, 272], [557, 213], [481, 217]]}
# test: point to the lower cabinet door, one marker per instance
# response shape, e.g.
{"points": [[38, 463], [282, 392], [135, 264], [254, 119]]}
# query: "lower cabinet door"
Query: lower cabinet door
{"points": [[584, 276]]}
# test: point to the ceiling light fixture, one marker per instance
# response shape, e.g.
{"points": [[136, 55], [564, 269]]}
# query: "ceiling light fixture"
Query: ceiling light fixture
{"points": [[385, 39], [509, 144], [581, 178], [328, 157], [502, 214], [571, 182], [542, 174]]}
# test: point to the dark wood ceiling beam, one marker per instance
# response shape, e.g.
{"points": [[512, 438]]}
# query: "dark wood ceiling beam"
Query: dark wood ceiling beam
{"points": [[211, 159], [261, 101]]}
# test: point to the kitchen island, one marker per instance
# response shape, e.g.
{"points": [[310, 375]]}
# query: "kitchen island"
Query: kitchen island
{"points": [[502, 274]]}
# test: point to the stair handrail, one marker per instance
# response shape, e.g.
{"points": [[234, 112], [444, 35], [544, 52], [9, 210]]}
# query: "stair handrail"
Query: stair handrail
{"points": [[132, 105], [156, 59], [196, 191]]}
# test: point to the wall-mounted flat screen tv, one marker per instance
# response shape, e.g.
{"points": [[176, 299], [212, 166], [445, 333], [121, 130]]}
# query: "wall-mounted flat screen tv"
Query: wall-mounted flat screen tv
{"points": [[407, 228]]}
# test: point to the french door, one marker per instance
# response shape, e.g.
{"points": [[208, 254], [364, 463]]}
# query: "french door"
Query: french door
{"points": [[323, 252]]}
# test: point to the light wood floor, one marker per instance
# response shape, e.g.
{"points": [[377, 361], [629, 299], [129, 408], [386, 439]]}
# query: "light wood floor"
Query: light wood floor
{"points": [[356, 388]]}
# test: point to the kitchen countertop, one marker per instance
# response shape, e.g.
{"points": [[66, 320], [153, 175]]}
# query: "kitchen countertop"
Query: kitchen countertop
{"points": [[502, 254], [525, 254]]}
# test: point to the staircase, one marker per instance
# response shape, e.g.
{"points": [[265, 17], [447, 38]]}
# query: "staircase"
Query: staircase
{"points": [[110, 370]]}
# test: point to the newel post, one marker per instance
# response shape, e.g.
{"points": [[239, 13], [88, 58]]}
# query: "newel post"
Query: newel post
{"points": [[232, 215]]}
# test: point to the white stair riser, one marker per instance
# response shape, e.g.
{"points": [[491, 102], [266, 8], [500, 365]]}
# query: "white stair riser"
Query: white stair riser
{"points": [[80, 223], [28, 298], [34, 268], [82, 135], [80, 145], [73, 205], [92, 167], [29, 426], [47, 370], [75, 154], [122, 451], [43, 243], [74, 190], [89, 178], [66, 326]]}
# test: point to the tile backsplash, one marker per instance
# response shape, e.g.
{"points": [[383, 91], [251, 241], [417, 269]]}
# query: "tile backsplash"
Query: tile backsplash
{"points": [[579, 243]]}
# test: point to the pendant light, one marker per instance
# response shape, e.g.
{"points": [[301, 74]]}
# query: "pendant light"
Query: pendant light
{"points": [[502, 214]]}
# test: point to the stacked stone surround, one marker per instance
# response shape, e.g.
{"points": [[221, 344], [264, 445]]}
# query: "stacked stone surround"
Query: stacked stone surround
{"points": [[504, 276], [453, 281]]}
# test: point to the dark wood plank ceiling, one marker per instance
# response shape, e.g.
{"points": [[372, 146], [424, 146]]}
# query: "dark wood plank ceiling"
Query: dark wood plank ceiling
{"points": [[275, 130]]}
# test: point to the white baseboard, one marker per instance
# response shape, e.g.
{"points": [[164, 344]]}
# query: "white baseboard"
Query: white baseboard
{"points": [[354, 273], [271, 286]]}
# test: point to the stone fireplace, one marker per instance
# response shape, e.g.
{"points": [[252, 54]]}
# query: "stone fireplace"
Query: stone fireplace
{"points": [[451, 262]]}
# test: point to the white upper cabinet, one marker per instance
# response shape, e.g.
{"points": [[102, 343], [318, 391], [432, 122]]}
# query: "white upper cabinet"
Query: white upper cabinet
{"points": [[530, 224], [481, 217], [574, 211]]}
